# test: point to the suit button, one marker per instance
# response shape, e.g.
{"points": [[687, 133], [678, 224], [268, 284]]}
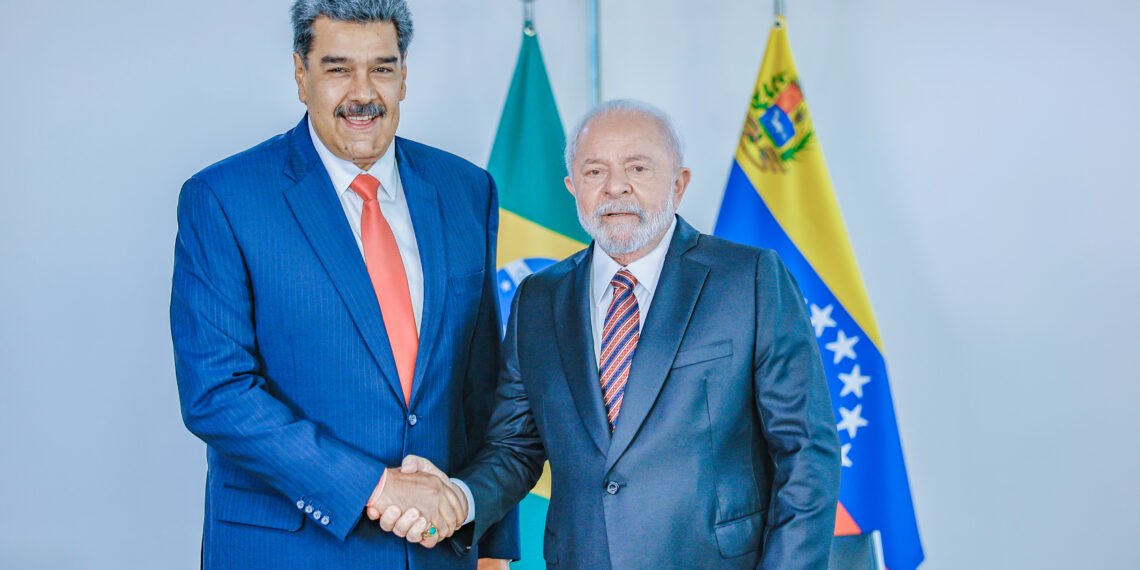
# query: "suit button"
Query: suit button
{"points": [[317, 515], [325, 520], [301, 505], [308, 509], [412, 419], [613, 488]]}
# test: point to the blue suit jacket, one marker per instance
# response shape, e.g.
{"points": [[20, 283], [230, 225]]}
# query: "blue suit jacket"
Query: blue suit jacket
{"points": [[284, 367], [725, 453]]}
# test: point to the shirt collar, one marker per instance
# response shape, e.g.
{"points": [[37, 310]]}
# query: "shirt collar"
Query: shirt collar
{"points": [[342, 172], [647, 269]]}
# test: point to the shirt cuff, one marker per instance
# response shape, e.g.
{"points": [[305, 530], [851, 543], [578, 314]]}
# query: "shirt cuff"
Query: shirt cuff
{"points": [[470, 499]]}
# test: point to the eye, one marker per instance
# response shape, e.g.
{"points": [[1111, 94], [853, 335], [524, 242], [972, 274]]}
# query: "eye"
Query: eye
{"points": [[383, 70]]}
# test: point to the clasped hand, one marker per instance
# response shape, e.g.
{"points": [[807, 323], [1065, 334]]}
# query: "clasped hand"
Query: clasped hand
{"points": [[414, 499]]}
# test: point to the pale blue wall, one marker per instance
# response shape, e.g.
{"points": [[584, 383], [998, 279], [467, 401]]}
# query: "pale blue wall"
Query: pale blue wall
{"points": [[982, 153]]}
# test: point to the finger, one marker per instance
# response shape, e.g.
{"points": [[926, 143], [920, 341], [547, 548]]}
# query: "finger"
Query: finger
{"points": [[430, 541], [416, 532], [373, 513], [406, 522], [389, 518]]}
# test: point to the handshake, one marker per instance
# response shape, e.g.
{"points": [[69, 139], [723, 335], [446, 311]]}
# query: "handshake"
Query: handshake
{"points": [[418, 502]]}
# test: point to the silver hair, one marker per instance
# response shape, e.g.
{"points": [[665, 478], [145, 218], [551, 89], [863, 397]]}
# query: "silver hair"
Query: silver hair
{"points": [[625, 106], [304, 12]]}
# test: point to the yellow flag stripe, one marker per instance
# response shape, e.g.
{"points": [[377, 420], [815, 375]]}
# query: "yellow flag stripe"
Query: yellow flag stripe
{"points": [[801, 198], [520, 238]]}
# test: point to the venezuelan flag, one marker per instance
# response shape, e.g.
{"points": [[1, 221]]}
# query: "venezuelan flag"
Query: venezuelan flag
{"points": [[779, 196], [538, 224]]}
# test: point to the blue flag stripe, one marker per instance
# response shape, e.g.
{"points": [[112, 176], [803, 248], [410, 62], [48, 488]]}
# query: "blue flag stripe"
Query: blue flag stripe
{"points": [[874, 488]]}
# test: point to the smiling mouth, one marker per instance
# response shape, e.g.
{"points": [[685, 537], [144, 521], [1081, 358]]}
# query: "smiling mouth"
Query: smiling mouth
{"points": [[359, 121]]}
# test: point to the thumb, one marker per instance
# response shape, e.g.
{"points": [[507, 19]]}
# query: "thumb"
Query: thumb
{"points": [[414, 464]]}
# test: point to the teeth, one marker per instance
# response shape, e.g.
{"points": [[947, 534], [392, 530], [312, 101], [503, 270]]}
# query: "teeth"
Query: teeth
{"points": [[359, 118]]}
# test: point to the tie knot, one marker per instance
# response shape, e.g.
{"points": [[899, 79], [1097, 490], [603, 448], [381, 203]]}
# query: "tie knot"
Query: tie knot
{"points": [[623, 281], [365, 186]]}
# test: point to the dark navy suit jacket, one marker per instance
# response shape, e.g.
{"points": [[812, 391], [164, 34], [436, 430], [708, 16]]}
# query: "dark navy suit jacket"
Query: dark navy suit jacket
{"points": [[725, 454], [284, 367]]}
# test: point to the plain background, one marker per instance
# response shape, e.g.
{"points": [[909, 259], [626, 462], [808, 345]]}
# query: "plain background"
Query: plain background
{"points": [[982, 152]]}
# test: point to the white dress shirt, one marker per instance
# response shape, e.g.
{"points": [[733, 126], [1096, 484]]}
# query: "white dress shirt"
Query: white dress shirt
{"points": [[393, 205], [647, 271]]}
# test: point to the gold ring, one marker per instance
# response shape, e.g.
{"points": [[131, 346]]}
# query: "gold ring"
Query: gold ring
{"points": [[431, 531]]}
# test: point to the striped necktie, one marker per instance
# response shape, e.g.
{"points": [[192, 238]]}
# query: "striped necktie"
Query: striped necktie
{"points": [[619, 340]]}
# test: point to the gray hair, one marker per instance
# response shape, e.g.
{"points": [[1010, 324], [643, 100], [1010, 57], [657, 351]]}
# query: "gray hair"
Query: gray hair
{"points": [[628, 107], [304, 12]]}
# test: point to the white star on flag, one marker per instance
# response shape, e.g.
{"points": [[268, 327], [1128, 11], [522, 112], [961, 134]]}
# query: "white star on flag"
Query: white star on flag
{"points": [[852, 420], [842, 346], [845, 460], [853, 382], [821, 319]]}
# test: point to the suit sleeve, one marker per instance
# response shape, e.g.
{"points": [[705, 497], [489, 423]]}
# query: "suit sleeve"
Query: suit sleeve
{"points": [[510, 461], [799, 425], [502, 539], [225, 398]]}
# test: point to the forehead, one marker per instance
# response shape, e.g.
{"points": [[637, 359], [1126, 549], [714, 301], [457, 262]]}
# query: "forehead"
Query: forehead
{"points": [[622, 134], [353, 39]]}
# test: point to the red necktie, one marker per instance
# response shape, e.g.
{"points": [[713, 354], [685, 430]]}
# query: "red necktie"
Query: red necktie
{"points": [[619, 340], [386, 269]]}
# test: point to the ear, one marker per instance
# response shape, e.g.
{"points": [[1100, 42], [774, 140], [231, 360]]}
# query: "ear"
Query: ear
{"points": [[301, 74], [681, 183], [570, 186], [403, 75]]}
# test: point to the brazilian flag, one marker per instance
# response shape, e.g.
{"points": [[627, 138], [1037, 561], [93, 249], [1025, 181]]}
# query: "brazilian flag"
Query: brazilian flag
{"points": [[538, 223]]}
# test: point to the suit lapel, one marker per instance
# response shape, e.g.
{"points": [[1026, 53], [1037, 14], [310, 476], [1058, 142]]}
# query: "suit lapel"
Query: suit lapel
{"points": [[318, 211], [661, 334], [571, 303], [423, 204]]}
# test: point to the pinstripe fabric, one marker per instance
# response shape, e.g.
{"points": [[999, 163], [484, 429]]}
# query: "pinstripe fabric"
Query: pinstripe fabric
{"points": [[284, 368], [619, 341]]}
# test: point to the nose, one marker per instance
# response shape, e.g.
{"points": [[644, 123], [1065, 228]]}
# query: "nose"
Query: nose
{"points": [[361, 89], [617, 184]]}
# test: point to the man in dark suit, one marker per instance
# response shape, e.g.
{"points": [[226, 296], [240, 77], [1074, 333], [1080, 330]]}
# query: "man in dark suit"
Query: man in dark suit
{"points": [[671, 378], [334, 309]]}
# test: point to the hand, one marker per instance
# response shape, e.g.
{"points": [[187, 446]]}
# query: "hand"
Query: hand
{"points": [[409, 523], [493, 564], [409, 502]]}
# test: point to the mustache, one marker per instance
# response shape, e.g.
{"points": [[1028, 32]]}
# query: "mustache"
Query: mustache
{"points": [[619, 208], [361, 110]]}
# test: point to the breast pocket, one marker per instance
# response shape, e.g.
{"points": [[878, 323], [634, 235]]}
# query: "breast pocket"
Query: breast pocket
{"points": [[703, 354]]}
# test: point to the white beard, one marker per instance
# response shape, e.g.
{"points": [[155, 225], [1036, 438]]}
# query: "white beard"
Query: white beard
{"points": [[620, 239]]}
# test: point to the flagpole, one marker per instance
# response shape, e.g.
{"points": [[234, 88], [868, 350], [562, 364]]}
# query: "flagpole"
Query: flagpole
{"points": [[528, 17], [595, 62], [779, 6]]}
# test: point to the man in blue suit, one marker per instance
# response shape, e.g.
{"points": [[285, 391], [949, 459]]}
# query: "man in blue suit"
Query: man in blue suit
{"points": [[672, 379], [333, 310]]}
